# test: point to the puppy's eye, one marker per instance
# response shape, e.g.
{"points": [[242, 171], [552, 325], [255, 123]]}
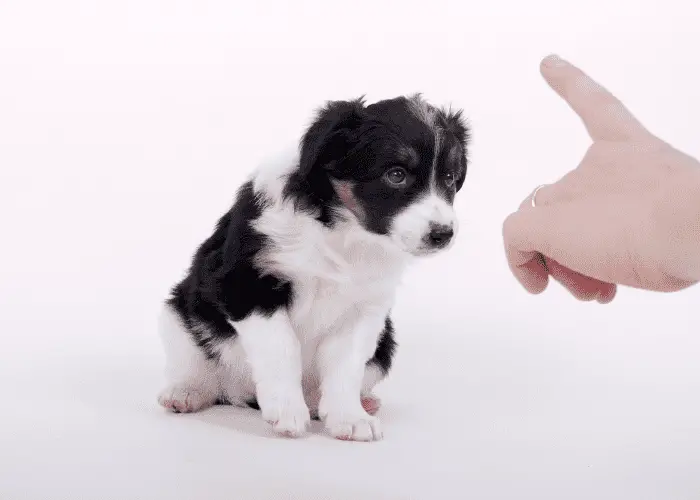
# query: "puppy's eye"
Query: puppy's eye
{"points": [[449, 179], [396, 176]]}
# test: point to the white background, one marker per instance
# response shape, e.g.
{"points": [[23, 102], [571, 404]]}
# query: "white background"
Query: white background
{"points": [[125, 128]]}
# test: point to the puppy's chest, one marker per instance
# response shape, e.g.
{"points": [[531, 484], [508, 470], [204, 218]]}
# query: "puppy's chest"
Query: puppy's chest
{"points": [[321, 307], [337, 274], [324, 303]]}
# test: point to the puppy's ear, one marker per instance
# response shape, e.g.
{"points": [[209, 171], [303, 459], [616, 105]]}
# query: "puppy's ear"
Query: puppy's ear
{"points": [[456, 124], [328, 139]]}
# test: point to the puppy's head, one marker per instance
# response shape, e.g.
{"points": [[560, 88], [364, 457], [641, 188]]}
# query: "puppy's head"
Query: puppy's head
{"points": [[396, 165]]}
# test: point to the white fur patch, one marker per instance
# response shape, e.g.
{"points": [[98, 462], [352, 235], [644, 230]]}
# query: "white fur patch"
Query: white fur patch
{"points": [[274, 354], [192, 379], [341, 362]]}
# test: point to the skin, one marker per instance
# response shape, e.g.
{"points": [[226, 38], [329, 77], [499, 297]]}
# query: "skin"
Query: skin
{"points": [[628, 215]]}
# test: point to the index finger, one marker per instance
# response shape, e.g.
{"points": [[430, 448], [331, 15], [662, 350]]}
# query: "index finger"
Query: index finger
{"points": [[603, 115]]}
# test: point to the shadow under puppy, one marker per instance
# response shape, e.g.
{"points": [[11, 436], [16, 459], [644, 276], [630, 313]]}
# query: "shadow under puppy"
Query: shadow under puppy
{"points": [[286, 306]]}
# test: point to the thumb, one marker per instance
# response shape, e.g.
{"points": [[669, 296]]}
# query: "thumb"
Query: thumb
{"points": [[603, 115], [533, 236], [527, 240], [530, 235]]}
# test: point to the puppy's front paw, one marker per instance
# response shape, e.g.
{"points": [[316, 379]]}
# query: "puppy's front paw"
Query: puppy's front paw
{"points": [[182, 399], [370, 403], [352, 425], [287, 413]]}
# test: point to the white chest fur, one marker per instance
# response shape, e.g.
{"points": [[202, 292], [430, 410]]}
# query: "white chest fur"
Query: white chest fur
{"points": [[337, 273]]}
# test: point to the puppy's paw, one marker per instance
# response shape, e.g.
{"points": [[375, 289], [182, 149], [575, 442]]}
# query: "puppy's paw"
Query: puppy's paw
{"points": [[370, 403], [287, 413], [351, 425], [182, 399]]}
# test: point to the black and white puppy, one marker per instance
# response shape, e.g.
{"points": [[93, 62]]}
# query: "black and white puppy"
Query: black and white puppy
{"points": [[286, 306]]}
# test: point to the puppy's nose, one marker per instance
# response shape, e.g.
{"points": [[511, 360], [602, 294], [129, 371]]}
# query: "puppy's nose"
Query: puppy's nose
{"points": [[440, 235]]}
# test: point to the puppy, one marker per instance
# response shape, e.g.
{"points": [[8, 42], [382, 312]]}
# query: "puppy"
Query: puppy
{"points": [[286, 306]]}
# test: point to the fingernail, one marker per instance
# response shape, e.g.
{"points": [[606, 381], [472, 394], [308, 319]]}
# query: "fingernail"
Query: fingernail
{"points": [[554, 61]]}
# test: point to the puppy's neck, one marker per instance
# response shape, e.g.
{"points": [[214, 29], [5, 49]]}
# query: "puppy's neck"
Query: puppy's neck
{"points": [[361, 248]]}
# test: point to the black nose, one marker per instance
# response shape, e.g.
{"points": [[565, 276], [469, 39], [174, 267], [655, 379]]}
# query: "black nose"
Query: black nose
{"points": [[440, 236]]}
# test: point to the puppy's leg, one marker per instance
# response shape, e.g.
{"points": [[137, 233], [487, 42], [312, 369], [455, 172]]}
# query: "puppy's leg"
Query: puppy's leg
{"points": [[191, 378], [370, 402], [342, 359], [272, 349]]}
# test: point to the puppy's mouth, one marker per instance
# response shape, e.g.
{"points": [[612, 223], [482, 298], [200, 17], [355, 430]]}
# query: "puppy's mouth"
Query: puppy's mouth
{"points": [[425, 251], [417, 251]]}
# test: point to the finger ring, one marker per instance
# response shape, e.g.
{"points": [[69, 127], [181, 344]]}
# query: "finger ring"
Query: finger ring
{"points": [[534, 194]]}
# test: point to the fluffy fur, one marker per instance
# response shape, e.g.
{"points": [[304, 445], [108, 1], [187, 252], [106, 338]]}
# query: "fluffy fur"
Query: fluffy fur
{"points": [[286, 306]]}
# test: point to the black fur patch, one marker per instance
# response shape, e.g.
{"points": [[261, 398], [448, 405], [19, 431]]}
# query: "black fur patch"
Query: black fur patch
{"points": [[386, 347], [223, 283]]}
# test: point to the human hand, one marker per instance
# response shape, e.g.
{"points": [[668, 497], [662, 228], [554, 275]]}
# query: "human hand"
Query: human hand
{"points": [[629, 214]]}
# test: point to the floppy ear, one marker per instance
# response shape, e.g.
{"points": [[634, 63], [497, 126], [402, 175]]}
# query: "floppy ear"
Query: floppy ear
{"points": [[327, 140], [459, 127]]}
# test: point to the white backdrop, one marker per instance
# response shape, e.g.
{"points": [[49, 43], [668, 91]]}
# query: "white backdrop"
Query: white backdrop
{"points": [[114, 112]]}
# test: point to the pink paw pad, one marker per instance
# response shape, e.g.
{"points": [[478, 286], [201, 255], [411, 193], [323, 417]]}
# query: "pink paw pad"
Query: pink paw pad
{"points": [[179, 400], [288, 434], [371, 404], [177, 406]]}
